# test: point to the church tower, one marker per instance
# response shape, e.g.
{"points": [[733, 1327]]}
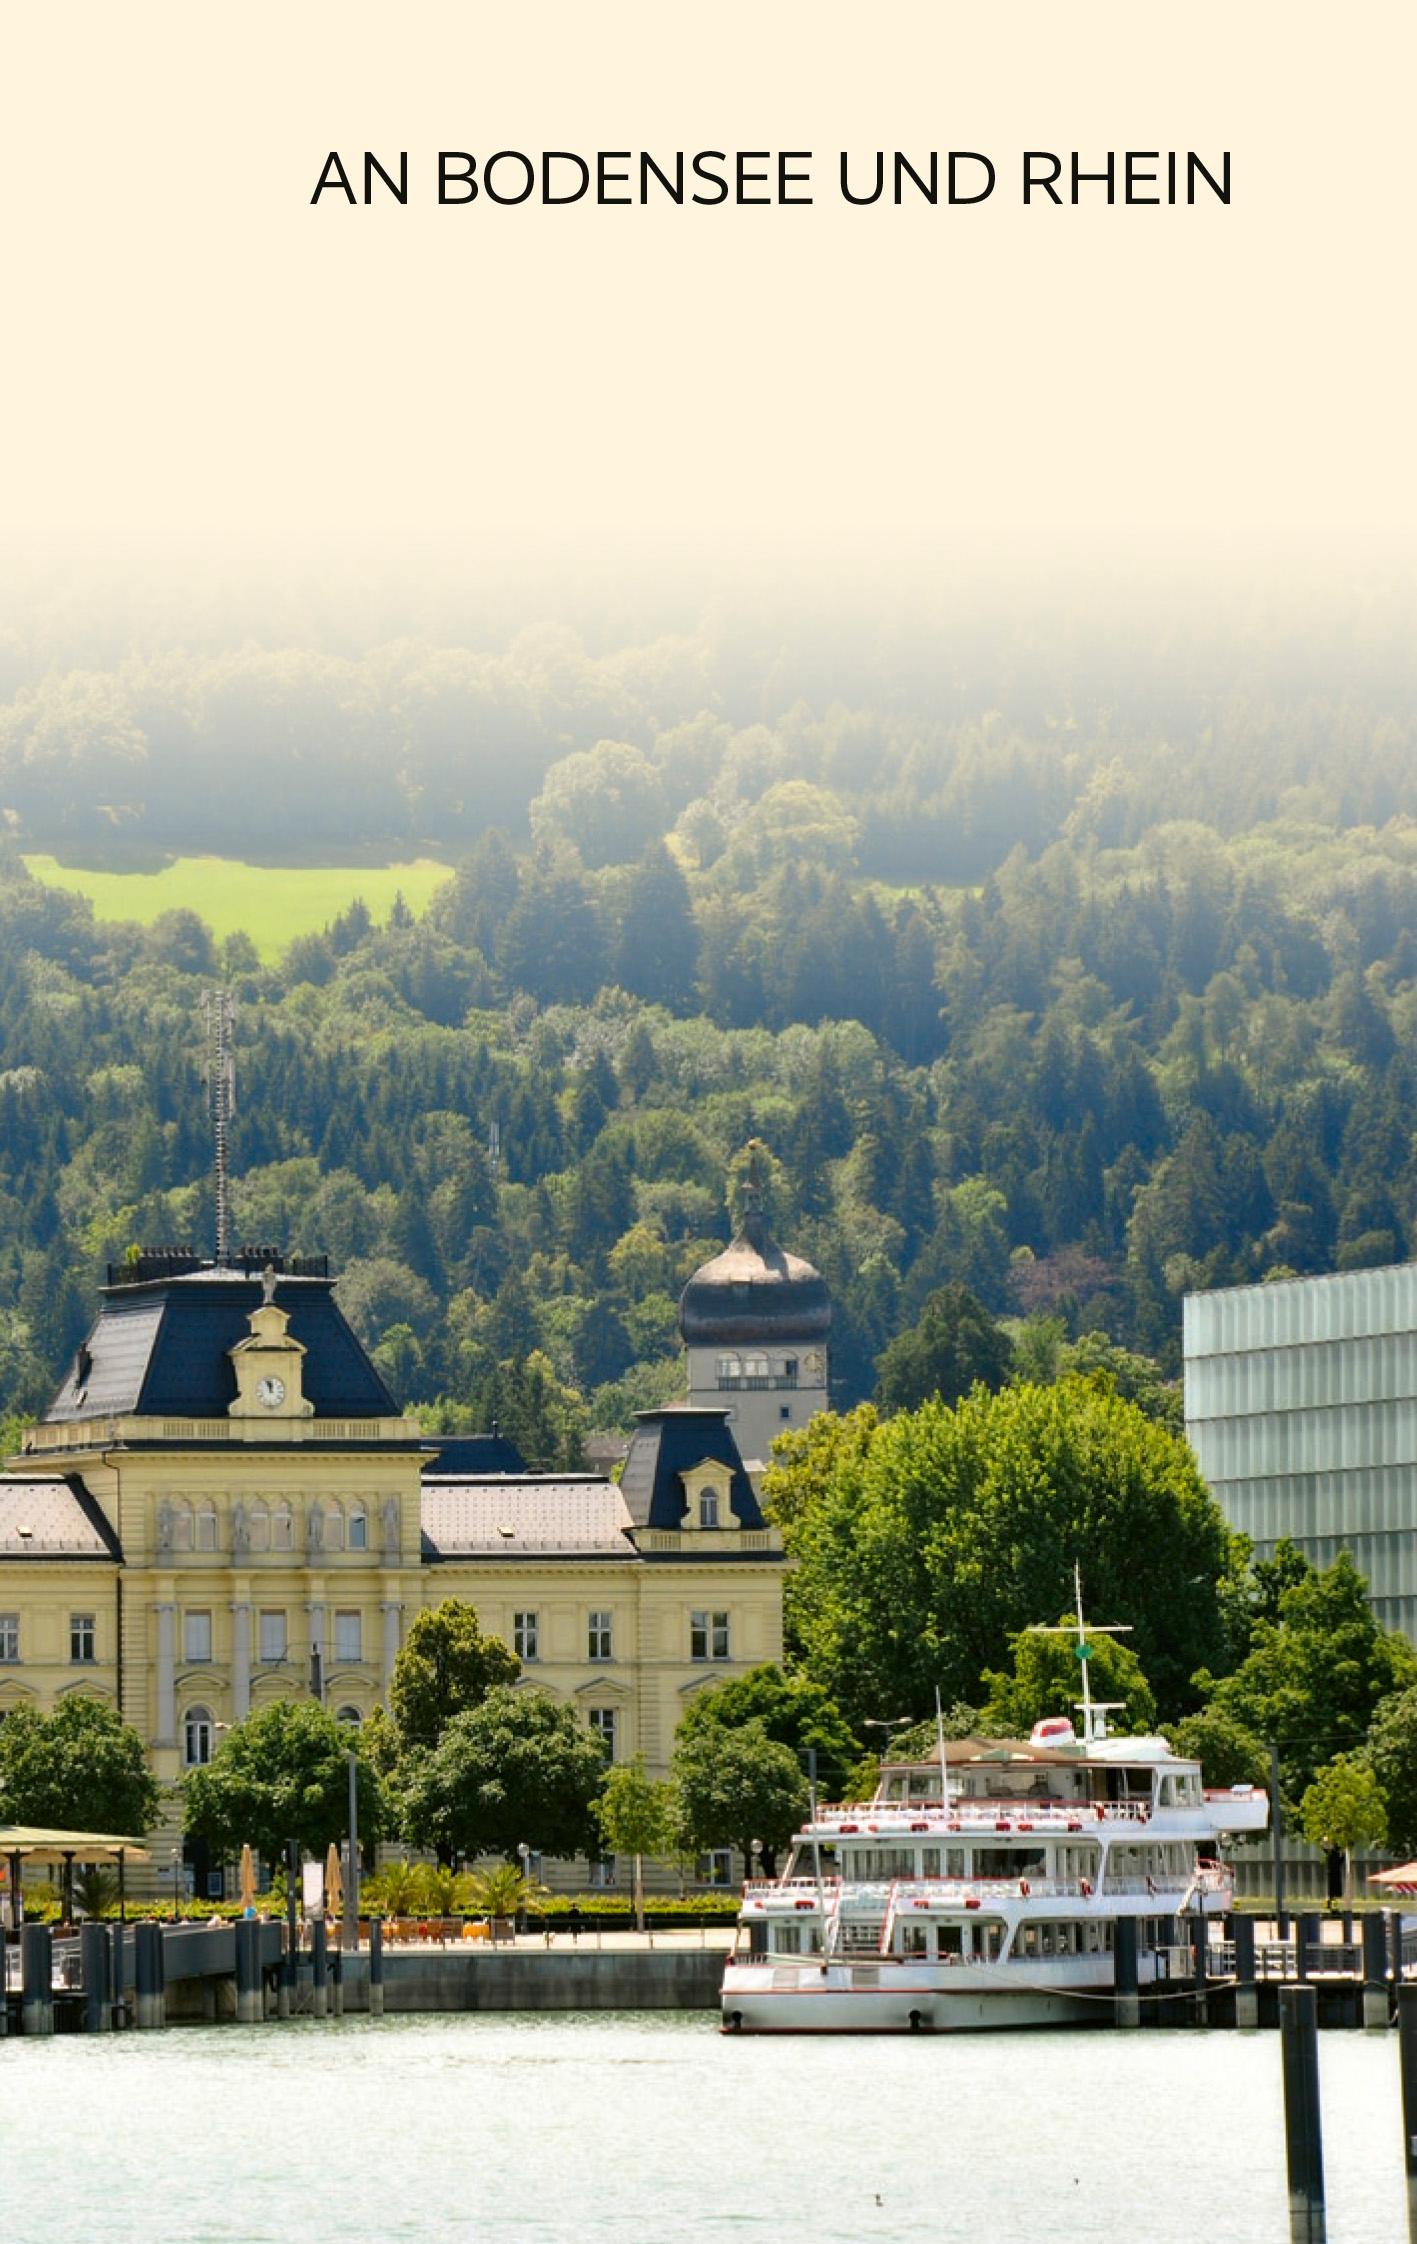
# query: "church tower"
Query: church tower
{"points": [[755, 1322]]}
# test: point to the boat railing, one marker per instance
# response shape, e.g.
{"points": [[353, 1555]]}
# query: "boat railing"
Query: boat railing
{"points": [[792, 1886], [1012, 1815]]}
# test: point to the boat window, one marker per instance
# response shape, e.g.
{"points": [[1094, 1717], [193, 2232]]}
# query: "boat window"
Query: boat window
{"points": [[951, 1941], [914, 1940]]}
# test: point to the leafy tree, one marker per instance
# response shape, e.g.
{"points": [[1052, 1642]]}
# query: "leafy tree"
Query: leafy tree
{"points": [[924, 1543], [515, 1768], [733, 1786], [954, 1343], [794, 1710], [445, 1667], [1392, 1755], [1047, 1680], [1316, 1672], [635, 1815], [282, 1774], [1227, 1752], [81, 1768], [1343, 1809]]}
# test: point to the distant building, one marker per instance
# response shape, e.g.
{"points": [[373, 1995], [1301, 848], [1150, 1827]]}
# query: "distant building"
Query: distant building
{"points": [[1301, 1406], [224, 1505], [755, 1322]]}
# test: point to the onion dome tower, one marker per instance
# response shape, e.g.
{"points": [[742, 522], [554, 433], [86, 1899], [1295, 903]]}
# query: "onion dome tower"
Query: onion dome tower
{"points": [[755, 1321]]}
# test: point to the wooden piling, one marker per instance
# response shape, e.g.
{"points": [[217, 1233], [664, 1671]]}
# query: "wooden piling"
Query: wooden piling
{"points": [[1299, 2048], [36, 1979], [1247, 1995], [1407, 2061], [250, 1997], [319, 1970], [94, 1957], [1375, 1995], [1124, 1972], [150, 2006], [376, 1967], [337, 1981]]}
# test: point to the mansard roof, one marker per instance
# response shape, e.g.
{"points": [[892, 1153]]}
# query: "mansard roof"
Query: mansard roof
{"points": [[161, 1348], [670, 1442], [562, 1515], [53, 1515]]}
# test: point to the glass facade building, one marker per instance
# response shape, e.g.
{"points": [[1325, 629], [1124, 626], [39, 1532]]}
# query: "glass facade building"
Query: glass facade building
{"points": [[1301, 1406]]}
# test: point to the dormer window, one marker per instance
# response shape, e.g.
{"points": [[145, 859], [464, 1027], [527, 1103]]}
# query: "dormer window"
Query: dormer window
{"points": [[708, 1507]]}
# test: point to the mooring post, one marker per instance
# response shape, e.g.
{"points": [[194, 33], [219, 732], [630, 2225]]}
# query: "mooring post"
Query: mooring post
{"points": [[1375, 1999], [319, 1969], [290, 1961], [118, 1977], [337, 1980], [1303, 2133], [4, 1985], [1200, 1963], [36, 1979], [150, 2006], [1306, 1939], [250, 1999], [93, 1958], [1127, 2001], [1394, 1947], [1247, 1995], [376, 1967], [1407, 2060]]}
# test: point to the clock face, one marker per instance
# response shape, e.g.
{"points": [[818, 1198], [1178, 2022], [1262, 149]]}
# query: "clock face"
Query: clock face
{"points": [[270, 1392]]}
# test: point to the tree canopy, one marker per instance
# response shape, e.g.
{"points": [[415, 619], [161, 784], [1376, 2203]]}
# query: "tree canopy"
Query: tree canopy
{"points": [[953, 1343], [279, 1775], [924, 1543], [517, 1768], [794, 1710], [1046, 1679], [733, 1786], [445, 1666], [80, 1768]]}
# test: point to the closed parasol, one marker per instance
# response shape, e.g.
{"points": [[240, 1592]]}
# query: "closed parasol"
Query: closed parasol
{"points": [[248, 1879], [334, 1886]]}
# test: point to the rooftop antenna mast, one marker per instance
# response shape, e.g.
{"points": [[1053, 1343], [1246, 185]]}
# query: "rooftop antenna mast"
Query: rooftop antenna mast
{"points": [[219, 1012], [1094, 1712]]}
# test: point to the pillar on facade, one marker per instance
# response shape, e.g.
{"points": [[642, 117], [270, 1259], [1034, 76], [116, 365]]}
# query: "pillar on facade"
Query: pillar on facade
{"points": [[166, 1674], [393, 1613], [240, 1659]]}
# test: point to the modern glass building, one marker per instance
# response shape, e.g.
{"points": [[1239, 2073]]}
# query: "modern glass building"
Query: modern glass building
{"points": [[1301, 1406]]}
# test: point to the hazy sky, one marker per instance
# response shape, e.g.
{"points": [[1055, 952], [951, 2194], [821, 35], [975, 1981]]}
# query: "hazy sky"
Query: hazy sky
{"points": [[192, 346]]}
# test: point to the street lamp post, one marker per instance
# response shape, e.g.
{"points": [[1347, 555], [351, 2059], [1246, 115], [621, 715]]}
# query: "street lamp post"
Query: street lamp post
{"points": [[889, 1723], [524, 1854]]}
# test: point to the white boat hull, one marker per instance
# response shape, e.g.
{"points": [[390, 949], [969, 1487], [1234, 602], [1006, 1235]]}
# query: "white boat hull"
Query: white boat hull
{"points": [[760, 1999]]}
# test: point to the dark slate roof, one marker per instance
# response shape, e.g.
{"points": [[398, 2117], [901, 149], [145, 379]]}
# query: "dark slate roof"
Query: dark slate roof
{"points": [[52, 1516], [162, 1350], [753, 1294], [670, 1442], [560, 1515], [473, 1457]]}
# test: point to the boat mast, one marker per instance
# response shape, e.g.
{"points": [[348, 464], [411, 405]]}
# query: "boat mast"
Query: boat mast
{"points": [[1094, 1712], [944, 1765]]}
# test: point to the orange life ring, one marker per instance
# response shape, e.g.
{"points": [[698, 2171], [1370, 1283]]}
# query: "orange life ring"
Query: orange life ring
{"points": [[1023, 1887]]}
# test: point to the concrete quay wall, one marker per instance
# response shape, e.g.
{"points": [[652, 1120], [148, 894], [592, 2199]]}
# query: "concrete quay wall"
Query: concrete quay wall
{"points": [[528, 1979]]}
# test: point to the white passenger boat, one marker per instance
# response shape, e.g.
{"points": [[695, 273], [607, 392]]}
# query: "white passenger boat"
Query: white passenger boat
{"points": [[983, 1887]]}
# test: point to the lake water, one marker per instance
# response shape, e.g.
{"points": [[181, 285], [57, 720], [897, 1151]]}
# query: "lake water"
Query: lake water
{"points": [[569, 2130]]}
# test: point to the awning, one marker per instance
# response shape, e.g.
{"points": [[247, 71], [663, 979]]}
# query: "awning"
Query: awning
{"points": [[89, 1846], [1401, 1880]]}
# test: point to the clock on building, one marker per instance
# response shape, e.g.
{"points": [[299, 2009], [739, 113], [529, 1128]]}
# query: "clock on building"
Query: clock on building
{"points": [[270, 1391]]}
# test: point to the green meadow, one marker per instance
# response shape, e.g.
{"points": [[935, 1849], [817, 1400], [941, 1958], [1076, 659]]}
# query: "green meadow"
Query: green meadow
{"points": [[270, 903]]}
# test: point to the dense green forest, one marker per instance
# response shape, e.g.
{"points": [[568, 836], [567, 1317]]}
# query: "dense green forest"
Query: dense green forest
{"points": [[1081, 969]]}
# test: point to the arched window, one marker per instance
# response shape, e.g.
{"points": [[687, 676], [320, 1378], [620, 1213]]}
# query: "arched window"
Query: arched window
{"points": [[359, 1529], [708, 1507], [755, 1367], [258, 1527], [204, 1538], [197, 1727], [334, 1528], [730, 1370], [182, 1527], [350, 1716], [282, 1528]]}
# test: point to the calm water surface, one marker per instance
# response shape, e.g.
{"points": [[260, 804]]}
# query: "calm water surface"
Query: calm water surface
{"points": [[641, 2128]]}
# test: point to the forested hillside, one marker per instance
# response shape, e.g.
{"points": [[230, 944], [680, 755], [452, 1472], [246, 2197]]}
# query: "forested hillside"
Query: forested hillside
{"points": [[1081, 973]]}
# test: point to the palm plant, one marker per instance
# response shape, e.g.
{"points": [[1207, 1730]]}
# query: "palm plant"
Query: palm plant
{"points": [[438, 1889], [96, 1889], [396, 1889], [504, 1891]]}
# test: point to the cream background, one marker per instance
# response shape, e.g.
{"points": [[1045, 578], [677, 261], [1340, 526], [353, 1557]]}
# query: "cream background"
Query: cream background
{"points": [[192, 347]]}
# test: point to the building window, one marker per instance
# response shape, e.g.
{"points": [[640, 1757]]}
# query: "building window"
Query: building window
{"points": [[599, 1642], [181, 1528], [708, 1507], [9, 1636], [83, 1647], [273, 1636], [205, 1529], [258, 1528], [708, 1636], [605, 1721], [282, 1528], [730, 1370], [196, 1637], [526, 1636], [359, 1529], [334, 1528], [715, 1868], [601, 1871], [789, 1371], [350, 1716], [349, 1641], [197, 1737]]}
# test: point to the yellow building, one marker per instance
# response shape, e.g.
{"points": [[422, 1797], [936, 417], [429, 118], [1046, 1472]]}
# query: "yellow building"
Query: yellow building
{"points": [[224, 1505]]}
